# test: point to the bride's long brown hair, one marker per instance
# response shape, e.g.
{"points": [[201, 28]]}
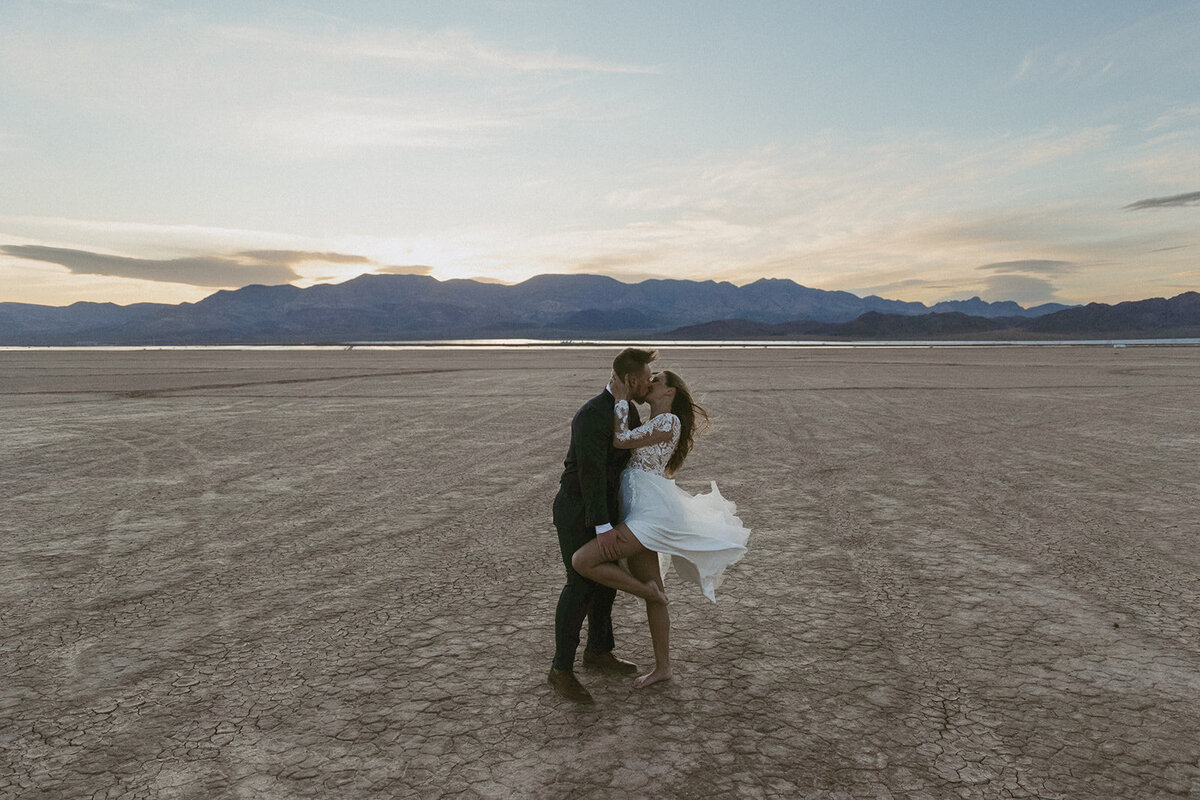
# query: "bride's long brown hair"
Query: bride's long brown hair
{"points": [[684, 407]]}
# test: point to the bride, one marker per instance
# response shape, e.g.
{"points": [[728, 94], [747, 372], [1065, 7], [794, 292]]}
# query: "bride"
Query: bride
{"points": [[699, 535]]}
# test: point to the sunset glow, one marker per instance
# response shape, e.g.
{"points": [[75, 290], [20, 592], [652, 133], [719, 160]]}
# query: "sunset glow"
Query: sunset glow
{"points": [[917, 150]]}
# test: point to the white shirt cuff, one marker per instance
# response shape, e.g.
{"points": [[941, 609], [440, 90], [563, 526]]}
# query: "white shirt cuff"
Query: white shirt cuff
{"points": [[605, 528]]}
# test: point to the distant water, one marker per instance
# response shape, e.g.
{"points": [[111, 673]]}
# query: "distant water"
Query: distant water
{"points": [[583, 344]]}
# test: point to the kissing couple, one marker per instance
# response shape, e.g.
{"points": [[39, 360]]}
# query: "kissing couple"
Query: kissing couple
{"points": [[622, 521]]}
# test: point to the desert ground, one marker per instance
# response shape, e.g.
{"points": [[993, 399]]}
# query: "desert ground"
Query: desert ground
{"points": [[974, 572]]}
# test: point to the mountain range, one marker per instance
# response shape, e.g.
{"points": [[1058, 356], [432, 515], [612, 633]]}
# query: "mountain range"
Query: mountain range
{"points": [[415, 307], [1157, 318]]}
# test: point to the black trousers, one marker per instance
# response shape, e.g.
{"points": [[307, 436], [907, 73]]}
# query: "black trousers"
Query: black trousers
{"points": [[580, 598]]}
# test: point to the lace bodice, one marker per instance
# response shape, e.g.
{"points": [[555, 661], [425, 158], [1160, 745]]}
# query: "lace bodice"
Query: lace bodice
{"points": [[652, 457]]}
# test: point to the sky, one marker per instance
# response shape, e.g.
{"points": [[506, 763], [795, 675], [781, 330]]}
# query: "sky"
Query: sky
{"points": [[157, 151]]}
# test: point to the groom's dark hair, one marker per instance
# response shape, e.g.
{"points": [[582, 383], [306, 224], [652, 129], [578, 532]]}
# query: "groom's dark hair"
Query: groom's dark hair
{"points": [[632, 359]]}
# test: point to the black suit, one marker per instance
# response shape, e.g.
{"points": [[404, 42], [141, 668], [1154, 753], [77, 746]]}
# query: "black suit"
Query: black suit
{"points": [[587, 497]]}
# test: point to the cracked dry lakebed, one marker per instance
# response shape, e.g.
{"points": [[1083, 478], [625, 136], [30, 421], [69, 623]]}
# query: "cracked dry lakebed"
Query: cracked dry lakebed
{"points": [[973, 573]]}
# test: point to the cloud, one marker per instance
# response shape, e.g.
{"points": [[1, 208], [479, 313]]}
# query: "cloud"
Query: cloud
{"points": [[311, 88], [215, 271], [290, 257], [1023, 289], [452, 50], [1175, 200], [404, 269], [1149, 42], [1183, 115], [901, 285], [1049, 147], [107, 5], [342, 126], [1076, 65], [1037, 266], [606, 263], [487, 279]]}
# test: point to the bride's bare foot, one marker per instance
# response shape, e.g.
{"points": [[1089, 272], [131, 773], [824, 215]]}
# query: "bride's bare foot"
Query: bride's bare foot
{"points": [[651, 678], [656, 593]]}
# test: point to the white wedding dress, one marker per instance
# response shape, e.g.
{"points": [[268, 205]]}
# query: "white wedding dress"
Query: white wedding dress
{"points": [[700, 535]]}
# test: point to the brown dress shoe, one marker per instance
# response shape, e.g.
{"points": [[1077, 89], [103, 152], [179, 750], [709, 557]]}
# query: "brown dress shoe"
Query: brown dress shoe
{"points": [[568, 686], [607, 662]]}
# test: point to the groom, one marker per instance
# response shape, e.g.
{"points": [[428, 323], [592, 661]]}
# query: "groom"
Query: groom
{"points": [[586, 507]]}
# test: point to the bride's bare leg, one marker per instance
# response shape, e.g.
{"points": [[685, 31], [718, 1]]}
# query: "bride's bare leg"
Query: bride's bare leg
{"points": [[589, 562], [644, 566]]}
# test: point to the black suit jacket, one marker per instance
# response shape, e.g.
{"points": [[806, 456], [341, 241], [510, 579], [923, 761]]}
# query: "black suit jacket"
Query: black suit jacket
{"points": [[591, 475]]}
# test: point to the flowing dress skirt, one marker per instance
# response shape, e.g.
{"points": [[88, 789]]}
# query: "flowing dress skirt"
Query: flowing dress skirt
{"points": [[700, 535]]}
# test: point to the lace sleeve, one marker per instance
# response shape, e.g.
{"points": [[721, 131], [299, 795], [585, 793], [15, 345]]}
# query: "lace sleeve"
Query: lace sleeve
{"points": [[621, 412], [658, 429]]}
